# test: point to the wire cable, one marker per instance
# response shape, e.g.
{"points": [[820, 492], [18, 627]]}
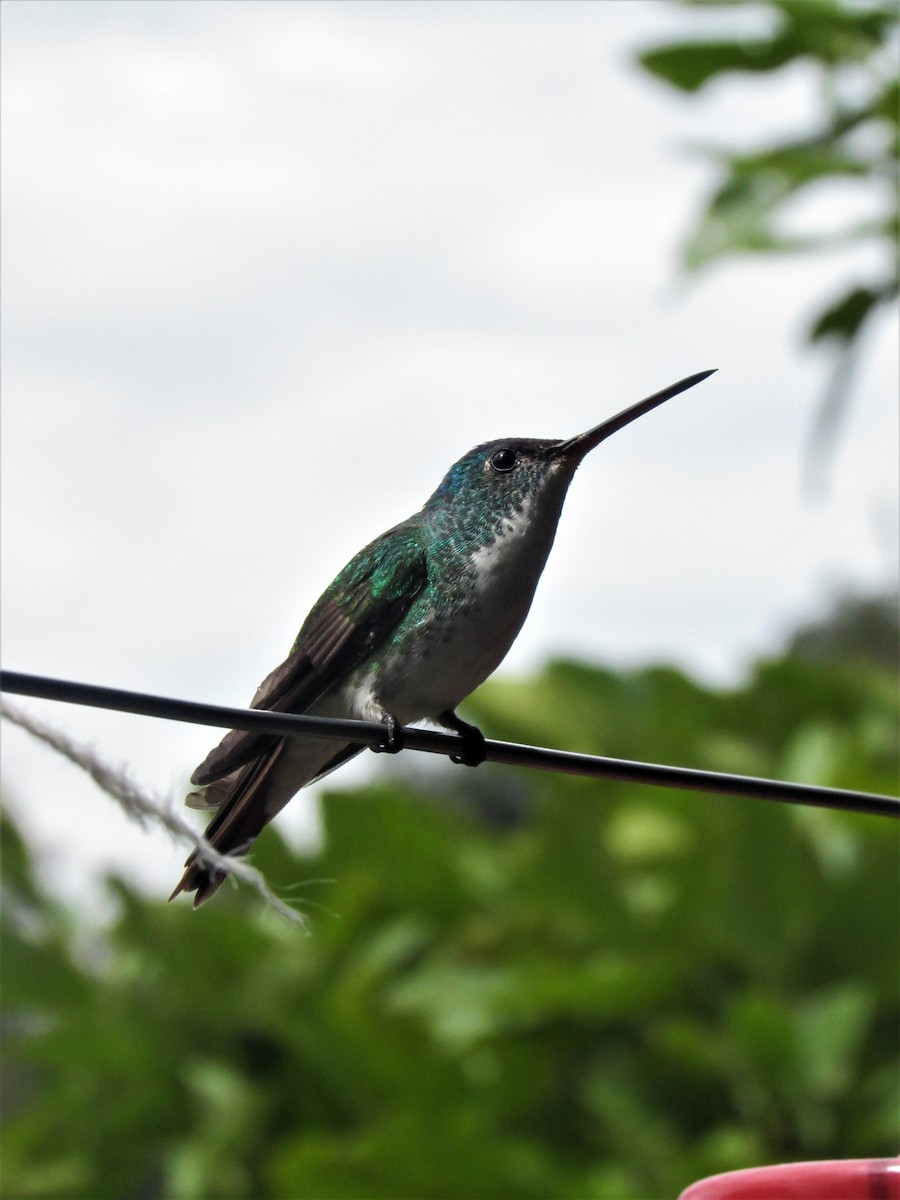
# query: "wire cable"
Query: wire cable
{"points": [[371, 733]]}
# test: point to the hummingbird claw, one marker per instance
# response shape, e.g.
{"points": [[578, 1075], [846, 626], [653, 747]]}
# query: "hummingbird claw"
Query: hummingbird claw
{"points": [[393, 737], [473, 752]]}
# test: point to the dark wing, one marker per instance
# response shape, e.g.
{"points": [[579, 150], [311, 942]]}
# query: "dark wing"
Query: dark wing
{"points": [[357, 613]]}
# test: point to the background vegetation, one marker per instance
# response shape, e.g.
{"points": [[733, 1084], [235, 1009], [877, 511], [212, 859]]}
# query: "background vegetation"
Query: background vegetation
{"points": [[515, 985], [753, 208]]}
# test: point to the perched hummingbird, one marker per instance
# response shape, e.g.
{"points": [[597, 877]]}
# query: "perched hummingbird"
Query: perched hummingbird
{"points": [[412, 625]]}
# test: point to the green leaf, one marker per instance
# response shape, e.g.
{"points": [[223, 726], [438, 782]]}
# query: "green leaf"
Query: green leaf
{"points": [[688, 66], [842, 320], [835, 32], [830, 1029]]}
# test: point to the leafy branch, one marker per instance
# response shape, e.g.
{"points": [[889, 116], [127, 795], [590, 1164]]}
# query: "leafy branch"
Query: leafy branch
{"points": [[857, 140]]}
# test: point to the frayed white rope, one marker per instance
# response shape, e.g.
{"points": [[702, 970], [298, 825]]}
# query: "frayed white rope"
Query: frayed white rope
{"points": [[144, 809]]}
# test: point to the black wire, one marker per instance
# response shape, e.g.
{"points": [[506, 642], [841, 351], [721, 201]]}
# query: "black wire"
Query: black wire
{"points": [[372, 733]]}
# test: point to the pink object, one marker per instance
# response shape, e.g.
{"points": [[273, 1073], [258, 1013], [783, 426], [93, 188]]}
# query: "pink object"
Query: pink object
{"points": [[842, 1179]]}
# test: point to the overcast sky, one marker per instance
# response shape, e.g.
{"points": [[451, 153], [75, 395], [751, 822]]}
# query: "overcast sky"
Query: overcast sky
{"points": [[269, 268]]}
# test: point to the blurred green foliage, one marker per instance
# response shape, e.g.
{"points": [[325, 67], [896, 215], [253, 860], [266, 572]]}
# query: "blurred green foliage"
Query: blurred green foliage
{"points": [[599, 991], [852, 47]]}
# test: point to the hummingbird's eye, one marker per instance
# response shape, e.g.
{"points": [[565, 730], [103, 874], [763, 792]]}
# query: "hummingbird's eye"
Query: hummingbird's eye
{"points": [[504, 460]]}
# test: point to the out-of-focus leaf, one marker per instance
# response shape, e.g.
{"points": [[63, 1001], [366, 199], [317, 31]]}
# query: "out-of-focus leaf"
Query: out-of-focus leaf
{"points": [[835, 32], [761, 1027], [830, 1029], [828, 32], [465, 1002], [742, 216], [843, 319], [690, 65], [617, 1095], [426, 1152]]}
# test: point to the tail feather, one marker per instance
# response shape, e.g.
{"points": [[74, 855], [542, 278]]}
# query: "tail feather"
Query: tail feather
{"points": [[242, 814], [247, 799], [213, 796]]}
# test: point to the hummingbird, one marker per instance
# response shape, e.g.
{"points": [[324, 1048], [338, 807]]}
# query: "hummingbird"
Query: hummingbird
{"points": [[414, 623]]}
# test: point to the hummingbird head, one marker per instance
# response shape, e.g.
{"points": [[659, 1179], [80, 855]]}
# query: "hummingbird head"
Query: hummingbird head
{"points": [[499, 480]]}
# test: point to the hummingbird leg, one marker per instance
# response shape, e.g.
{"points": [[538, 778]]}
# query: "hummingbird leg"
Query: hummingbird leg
{"points": [[473, 752], [393, 736]]}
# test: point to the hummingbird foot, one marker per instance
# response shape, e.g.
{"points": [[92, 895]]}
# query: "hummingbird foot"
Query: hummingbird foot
{"points": [[473, 751], [393, 736]]}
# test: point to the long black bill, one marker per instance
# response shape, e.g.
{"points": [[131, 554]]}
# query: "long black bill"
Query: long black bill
{"points": [[583, 442]]}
